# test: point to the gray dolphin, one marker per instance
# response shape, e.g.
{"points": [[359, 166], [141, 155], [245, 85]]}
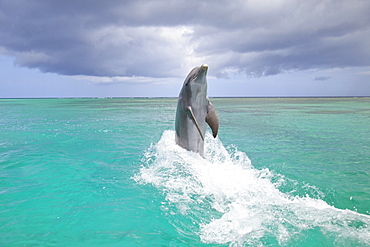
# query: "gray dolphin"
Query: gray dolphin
{"points": [[194, 110]]}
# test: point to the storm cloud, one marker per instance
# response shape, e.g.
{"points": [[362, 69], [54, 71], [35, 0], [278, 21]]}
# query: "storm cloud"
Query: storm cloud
{"points": [[166, 38]]}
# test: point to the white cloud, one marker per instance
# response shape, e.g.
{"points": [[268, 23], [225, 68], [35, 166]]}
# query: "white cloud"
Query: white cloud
{"points": [[122, 79]]}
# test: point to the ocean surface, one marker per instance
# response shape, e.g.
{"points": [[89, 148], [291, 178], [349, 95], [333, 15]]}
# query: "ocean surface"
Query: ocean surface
{"points": [[107, 172]]}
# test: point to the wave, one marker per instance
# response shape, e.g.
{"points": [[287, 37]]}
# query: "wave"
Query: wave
{"points": [[225, 200]]}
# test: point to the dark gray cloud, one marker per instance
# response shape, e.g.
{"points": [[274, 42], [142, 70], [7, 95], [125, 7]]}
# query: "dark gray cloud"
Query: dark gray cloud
{"points": [[322, 78], [166, 38]]}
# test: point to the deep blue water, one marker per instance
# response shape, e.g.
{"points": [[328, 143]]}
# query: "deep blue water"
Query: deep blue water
{"points": [[107, 172]]}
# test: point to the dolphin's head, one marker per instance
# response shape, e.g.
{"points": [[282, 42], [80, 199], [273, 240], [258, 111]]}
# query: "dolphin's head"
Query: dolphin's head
{"points": [[195, 84], [197, 75]]}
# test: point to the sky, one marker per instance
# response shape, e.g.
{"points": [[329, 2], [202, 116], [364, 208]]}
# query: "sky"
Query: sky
{"points": [[145, 48]]}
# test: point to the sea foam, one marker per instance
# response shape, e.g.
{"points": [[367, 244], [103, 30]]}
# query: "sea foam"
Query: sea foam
{"points": [[228, 201]]}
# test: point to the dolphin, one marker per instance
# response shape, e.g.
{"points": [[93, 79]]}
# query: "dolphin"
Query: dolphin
{"points": [[194, 110]]}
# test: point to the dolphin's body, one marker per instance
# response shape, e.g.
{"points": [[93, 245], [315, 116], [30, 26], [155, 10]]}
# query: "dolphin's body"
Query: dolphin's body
{"points": [[194, 110]]}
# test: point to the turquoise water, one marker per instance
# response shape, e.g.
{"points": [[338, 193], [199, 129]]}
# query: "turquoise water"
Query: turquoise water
{"points": [[106, 172]]}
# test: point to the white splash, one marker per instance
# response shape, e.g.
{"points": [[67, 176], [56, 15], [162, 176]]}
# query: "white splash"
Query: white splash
{"points": [[232, 202]]}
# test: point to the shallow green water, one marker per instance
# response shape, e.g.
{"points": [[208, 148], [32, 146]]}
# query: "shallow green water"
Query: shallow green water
{"points": [[92, 172]]}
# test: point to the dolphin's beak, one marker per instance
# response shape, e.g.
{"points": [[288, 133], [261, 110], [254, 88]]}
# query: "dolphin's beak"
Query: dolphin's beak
{"points": [[202, 71]]}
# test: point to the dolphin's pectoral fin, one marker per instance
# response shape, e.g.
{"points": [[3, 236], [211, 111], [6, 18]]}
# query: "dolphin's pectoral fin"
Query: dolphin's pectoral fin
{"points": [[212, 119], [195, 121]]}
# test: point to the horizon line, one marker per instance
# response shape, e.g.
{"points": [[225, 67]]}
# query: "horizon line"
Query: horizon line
{"points": [[164, 97]]}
